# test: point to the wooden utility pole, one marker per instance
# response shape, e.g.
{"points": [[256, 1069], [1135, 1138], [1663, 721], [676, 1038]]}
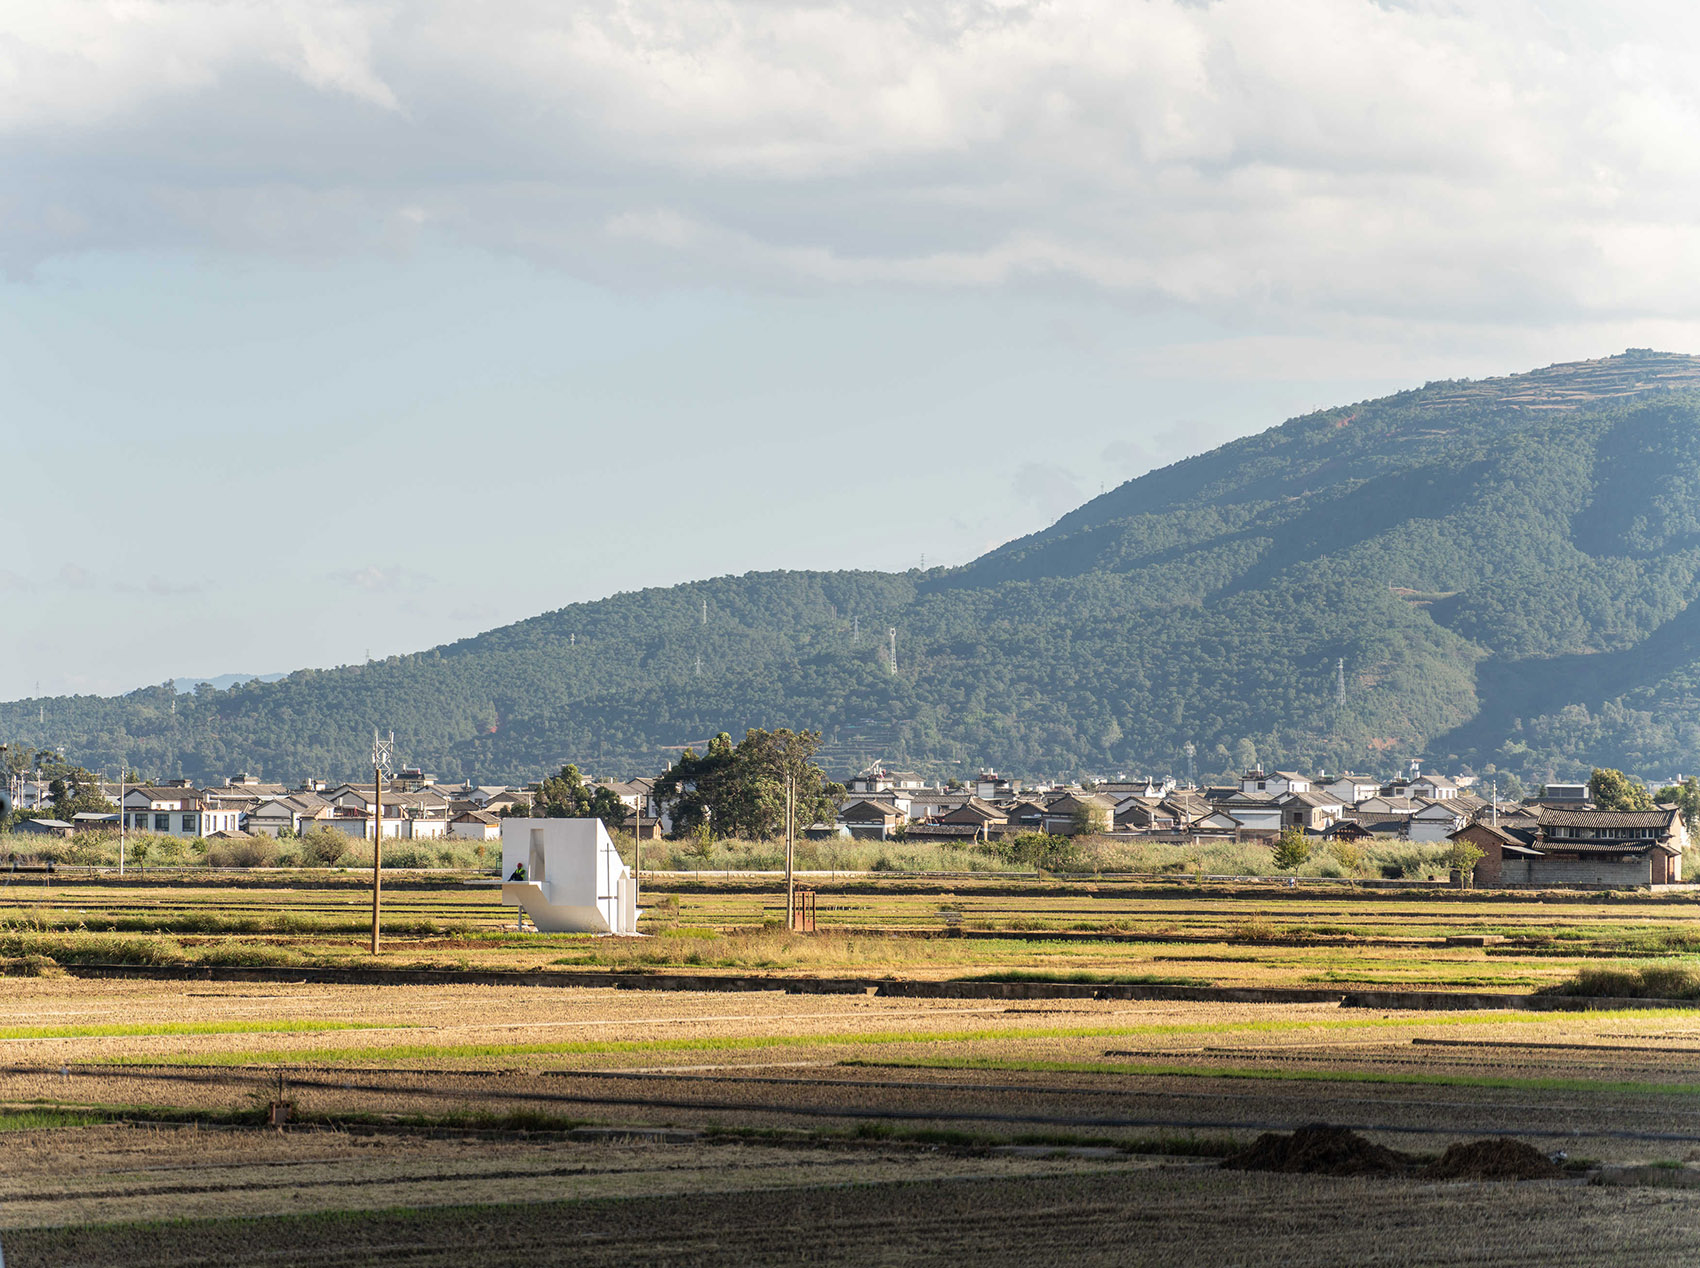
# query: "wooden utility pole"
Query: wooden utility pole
{"points": [[383, 753], [790, 877], [377, 849]]}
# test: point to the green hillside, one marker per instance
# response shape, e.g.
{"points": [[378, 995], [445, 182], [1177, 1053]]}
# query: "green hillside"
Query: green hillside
{"points": [[1506, 567]]}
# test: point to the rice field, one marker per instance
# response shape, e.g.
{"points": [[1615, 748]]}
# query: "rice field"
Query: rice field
{"points": [[477, 1124], [1225, 934]]}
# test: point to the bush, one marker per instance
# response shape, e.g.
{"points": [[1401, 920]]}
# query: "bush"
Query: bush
{"points": [[401, 854], [1348, 856], [240, 852], [1292, 849], [1653, 981], [1041, 851], [322, 846]]}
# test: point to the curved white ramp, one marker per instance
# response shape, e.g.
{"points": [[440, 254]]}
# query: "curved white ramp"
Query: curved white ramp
{"points": [[573, 879]]}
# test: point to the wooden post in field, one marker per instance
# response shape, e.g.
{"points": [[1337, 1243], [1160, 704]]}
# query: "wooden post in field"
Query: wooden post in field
{"points": [[383, 752], [377, 848], [790, 877]]}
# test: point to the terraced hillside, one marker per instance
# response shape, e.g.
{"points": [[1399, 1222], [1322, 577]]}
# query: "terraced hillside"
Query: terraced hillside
{"points": [[1502, 571]]}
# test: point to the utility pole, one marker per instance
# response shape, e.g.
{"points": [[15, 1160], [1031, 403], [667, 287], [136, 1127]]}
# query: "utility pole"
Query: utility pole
{"points": [[790, 877], [1495, 787], [121, 817], [637, 846], [383, 757]]}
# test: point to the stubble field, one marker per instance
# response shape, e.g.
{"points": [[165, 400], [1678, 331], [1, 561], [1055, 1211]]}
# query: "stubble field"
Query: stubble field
{"points": [[1225, 934], [468, 1124]]}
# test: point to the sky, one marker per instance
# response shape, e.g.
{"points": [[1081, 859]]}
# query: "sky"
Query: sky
{"points": [[332, 329]]}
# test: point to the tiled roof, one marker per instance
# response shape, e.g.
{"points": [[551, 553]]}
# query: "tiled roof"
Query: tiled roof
{"points": [[1550, 817]]}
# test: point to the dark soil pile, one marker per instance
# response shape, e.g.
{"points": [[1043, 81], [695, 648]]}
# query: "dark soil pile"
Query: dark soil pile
{"points": [[1321, 1150], [1496, 1159]]}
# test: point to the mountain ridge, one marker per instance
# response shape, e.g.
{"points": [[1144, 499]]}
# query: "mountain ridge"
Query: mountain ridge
{"points": [[1505, 566]]}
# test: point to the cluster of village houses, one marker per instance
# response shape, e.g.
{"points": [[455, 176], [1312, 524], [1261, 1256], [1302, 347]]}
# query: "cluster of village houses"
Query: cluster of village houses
{"points": [[1558, 837]]}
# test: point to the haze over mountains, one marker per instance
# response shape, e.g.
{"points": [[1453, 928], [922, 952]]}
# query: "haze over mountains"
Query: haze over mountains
{"points": [[1499, 571]]}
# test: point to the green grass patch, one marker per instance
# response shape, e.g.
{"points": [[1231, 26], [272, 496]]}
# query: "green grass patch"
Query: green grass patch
{"points": [[745, 1043], [29, 1120], [128, 1030]]}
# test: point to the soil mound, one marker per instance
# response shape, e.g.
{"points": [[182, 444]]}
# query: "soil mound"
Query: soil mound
{"points": [[1320, 1150], [1496, 1159]]}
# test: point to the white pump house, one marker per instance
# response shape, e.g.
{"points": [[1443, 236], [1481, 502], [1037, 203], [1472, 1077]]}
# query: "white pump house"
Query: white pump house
{"points": [[566, 875]]}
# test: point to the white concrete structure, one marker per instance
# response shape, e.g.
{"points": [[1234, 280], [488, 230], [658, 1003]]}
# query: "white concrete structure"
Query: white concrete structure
{"points": [[574, 881]]}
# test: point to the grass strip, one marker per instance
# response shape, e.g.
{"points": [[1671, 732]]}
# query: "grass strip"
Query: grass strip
{"points": [[745, 1043], [1533, 1084], [131, 1030], [42, 1119]]}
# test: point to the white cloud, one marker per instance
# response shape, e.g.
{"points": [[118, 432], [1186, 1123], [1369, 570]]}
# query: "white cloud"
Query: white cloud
{"points": [[381, 579], [1266, 164]]}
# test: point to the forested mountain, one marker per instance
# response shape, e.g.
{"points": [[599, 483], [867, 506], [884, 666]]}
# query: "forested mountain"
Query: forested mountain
{"points": [[1507, 569]]}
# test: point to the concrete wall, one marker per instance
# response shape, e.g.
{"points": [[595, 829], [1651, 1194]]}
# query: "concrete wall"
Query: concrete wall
{"points": [[1562, 871]]}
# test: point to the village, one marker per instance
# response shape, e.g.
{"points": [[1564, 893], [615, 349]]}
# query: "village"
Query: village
{"points": [[1558, 837]]}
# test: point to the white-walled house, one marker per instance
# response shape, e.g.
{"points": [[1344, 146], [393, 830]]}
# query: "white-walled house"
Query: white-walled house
{"points": [[476, 825], [1435, 821], [1254, 812], [1276, 783], [178, 811], [296, 813], [1434, 788], [1352, 789]]}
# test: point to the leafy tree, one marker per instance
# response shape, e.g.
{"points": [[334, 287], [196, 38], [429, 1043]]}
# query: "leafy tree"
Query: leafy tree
{"points": [[1089, 820], [1685, 796], [1462, 857], [1613, 790], [1292, 848], [77, 792], [694, 786], [739, 790], [567, 796]]}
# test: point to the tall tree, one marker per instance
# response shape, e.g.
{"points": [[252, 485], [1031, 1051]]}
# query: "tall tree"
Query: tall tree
{"points": [[567, 796], [1613, 790], [1685, 796], [77, 792], [739, 790]]}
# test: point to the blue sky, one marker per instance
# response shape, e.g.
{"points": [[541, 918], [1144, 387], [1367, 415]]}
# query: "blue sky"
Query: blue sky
{"points": [[329, 327]]}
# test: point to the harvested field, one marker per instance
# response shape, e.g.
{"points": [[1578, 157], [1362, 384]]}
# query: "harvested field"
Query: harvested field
{"points": [[1089, 1214], [473, 1123], [1256, 934]]}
